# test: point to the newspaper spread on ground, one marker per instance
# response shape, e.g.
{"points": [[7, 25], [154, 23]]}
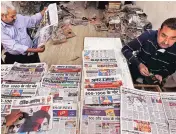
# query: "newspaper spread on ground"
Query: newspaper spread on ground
{"points": [[37, 114], [6, 105], [169, 104], [142, 112], [26, 72], [60, 94], [50, 19], [100, 120], [5, 68], [102, 96], [103, 82], [64, 119], [99, 56], [18, 90], [96, 72]]}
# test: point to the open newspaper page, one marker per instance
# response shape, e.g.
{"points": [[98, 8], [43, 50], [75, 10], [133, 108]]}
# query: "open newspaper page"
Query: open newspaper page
{"points": [[37, 114], [50, 19], [102, 96], [17, 90], [5, 68], [64, 119], [103, 82], [169, 104], [100, 120], [142, 112], [26, 72]]}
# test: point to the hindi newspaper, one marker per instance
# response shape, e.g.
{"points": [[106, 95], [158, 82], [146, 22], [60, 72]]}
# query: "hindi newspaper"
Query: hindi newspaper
{"points": [[60, 94], [100, 120], [32, 72], [100, 65], [169, 104], [99, 56], [142, 112], [18, 90], [102, 96], [65, 118], [97, 72], [5, 68], [103, 82], [37, 114]]}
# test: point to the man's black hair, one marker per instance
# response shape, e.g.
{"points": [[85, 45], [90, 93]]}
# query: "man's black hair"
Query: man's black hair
{"points": [[171, 23]]}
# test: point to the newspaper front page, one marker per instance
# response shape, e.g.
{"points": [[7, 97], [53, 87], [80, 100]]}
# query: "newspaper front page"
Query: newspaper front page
{"points": [[100, 64], [99, 56], [100, 120], [142, 112], [18, 90], [5, 68], [37, 114], [26, 72], [102, 96]]}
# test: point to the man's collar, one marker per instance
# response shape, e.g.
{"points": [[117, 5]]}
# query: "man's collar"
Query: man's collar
{"points": [[5, 24]]}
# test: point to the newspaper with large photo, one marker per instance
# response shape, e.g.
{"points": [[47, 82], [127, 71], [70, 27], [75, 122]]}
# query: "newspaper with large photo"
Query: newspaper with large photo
{"points": [[65, 119], [5, 68], [102, 96], [50, 19], [169, 104], [60, 94], [103, 82], [99, 56], [37, 114], [32, 72], [100, 120], [142, 112], [17, 90]]}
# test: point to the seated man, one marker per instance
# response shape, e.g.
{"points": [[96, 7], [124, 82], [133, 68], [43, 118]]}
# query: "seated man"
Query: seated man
{"points": [[14, 37], [156, 52]]}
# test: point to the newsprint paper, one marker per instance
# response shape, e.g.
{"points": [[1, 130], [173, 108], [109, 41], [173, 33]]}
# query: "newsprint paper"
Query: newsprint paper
{"points": [[26, 72], [100, 120], [5, 68], [37, 114], [16, 90], [142, 112]]}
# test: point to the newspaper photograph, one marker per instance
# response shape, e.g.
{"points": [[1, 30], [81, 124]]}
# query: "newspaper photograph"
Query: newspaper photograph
{"points": [[169, 104], [5, 68], [66, 118], [100, 65], [130, 126], [101, 96], [97, 72], [67, 94], [37, 114], [65, 69], [103, 82], [100, 120], [99, 56], [18, 90], [26, 72]]}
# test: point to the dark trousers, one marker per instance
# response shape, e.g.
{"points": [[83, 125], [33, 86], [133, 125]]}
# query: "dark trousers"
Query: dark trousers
{"points": [[10, 59]]}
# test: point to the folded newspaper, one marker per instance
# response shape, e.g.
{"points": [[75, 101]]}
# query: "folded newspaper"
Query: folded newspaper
{"points": [[26, 72], [5, 68], [37, 114]]}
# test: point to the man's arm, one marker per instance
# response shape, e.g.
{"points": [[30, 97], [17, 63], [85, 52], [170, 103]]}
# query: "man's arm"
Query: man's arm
{"points": [[132, 46], [32, 21], [11, 45]]}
